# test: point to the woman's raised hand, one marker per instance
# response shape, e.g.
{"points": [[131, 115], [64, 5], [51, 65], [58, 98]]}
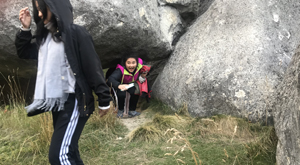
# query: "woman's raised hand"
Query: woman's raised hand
{"points": [[25, 18]]}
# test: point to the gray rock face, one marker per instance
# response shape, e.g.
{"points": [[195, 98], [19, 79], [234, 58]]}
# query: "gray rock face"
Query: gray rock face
{"points": [[170, 23], [287, 115], [231, 58], [188, 9], [9, 24], [116, 26]]}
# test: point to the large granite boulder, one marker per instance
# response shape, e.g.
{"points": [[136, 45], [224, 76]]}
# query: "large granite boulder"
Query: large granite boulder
{"points": [[146, 27], [170, 24], [231, 59], [116, 26], [9, 24], [149, 27], [287, 115], [188, 9], [11, 67]]}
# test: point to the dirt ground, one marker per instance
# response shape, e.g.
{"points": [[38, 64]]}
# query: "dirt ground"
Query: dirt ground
{"points": [[135, 122]]}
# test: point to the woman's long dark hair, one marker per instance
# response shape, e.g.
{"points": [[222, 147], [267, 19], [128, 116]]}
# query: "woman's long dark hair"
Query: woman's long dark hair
{"points": [[41, 32]]}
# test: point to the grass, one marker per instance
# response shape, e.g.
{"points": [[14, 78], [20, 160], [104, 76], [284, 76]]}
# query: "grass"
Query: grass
{"points": [[26, 140], [169, 138]]}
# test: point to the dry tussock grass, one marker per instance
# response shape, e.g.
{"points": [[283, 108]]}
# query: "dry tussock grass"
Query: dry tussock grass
{"points": [[16, 94], [147, 133], [154, 131], [178, 136], [108, 121], [265, 144], [227, 127], [165, 122], [45, 127], [183, 110]]}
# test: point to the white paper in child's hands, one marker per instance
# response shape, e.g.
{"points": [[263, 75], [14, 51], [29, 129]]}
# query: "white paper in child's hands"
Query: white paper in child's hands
{"points": [[129, 86]]}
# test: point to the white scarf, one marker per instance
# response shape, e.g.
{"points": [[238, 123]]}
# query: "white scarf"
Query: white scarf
{"points": [[52, 84]]}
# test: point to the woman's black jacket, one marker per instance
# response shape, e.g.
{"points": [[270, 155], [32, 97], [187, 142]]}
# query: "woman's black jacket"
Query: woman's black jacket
{"points": [[84, 62]]}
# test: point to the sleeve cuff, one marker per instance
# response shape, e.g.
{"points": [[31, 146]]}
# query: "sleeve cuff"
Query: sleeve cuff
{"points": [[104, 107], [117, 86], [104, 103], [23, 29], [24, 34]]}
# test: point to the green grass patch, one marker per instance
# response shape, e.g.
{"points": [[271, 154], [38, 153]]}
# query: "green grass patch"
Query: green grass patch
{"points": [[158, 106], [166, 139]]}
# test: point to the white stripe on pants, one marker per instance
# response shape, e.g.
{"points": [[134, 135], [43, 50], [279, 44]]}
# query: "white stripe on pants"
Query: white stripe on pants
{"points": [[64, 149]]}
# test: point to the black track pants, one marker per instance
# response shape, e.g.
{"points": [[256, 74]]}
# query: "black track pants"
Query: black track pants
{"points": [[132, 102], [67, 130]]}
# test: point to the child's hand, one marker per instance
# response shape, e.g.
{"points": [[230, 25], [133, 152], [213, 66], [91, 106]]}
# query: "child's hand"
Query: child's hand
{"points": [[142, 79], [123, 87]]}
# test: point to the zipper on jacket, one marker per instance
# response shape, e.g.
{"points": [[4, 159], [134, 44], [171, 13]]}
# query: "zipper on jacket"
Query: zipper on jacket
{"points": [[84, 101]]}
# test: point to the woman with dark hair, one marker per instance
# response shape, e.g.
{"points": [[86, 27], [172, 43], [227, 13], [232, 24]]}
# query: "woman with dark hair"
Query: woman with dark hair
{"points": [[69, 69], [122, 81]]}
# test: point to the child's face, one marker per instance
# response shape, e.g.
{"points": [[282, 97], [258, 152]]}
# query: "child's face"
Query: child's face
{"points": [[131, 64]]}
